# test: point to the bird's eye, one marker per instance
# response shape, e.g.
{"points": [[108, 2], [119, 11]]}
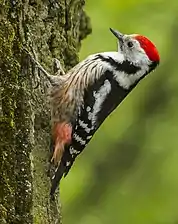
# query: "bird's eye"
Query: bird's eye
{"points": [[130, 44]]}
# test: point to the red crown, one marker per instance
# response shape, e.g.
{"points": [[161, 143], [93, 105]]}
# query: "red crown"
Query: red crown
{"points": [[149, 48]]}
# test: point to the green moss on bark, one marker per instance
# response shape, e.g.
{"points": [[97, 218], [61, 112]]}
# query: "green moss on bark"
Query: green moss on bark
{"points": [[53, 29], [8, 80]]}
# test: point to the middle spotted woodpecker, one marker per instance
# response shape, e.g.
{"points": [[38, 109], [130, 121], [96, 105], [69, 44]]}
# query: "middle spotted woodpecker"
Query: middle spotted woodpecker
{"points": [[82, 98]]}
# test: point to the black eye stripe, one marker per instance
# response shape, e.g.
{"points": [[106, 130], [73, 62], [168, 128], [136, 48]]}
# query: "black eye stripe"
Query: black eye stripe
{"points": [[130, 44]]}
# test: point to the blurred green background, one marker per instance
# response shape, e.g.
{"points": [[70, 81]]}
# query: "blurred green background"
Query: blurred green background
{"points": [[128, 174]]}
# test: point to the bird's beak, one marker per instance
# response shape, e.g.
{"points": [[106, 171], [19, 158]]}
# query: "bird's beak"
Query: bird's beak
{"points": [[118, 35]]}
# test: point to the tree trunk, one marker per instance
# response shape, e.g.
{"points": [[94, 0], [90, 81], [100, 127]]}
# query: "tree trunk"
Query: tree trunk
{"points": [[53, 29]]}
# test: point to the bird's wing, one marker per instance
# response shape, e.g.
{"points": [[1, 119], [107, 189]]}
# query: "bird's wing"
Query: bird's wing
{"points": [[99, 102]]}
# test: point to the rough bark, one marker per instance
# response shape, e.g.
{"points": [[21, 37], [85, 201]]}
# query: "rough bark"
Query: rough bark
{"points": [[54, 29]]}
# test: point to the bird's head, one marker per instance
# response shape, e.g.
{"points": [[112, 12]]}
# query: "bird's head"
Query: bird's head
{"points": [[137, 49]]}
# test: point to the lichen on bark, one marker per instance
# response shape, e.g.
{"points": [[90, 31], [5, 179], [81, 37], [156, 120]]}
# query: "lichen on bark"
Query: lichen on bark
{"points": [[52, 29]]}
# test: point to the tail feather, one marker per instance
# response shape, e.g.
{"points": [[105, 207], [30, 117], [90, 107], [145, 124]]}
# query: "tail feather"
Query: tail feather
{"points": [[57, 177], [62, 170], [68, 168]]}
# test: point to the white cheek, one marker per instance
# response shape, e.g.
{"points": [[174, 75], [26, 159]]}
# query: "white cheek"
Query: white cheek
{"points": [[139, 57]]}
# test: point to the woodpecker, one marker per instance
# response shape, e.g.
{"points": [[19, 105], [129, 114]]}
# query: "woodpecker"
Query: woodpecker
{"points": [[82, 98]]}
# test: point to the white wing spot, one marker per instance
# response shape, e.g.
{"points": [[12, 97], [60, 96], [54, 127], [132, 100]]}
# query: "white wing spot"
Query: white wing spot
{"points": [[88, 109], [89, 115], [79, 139], [68, 163], [73, 151], [84, 126]]}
